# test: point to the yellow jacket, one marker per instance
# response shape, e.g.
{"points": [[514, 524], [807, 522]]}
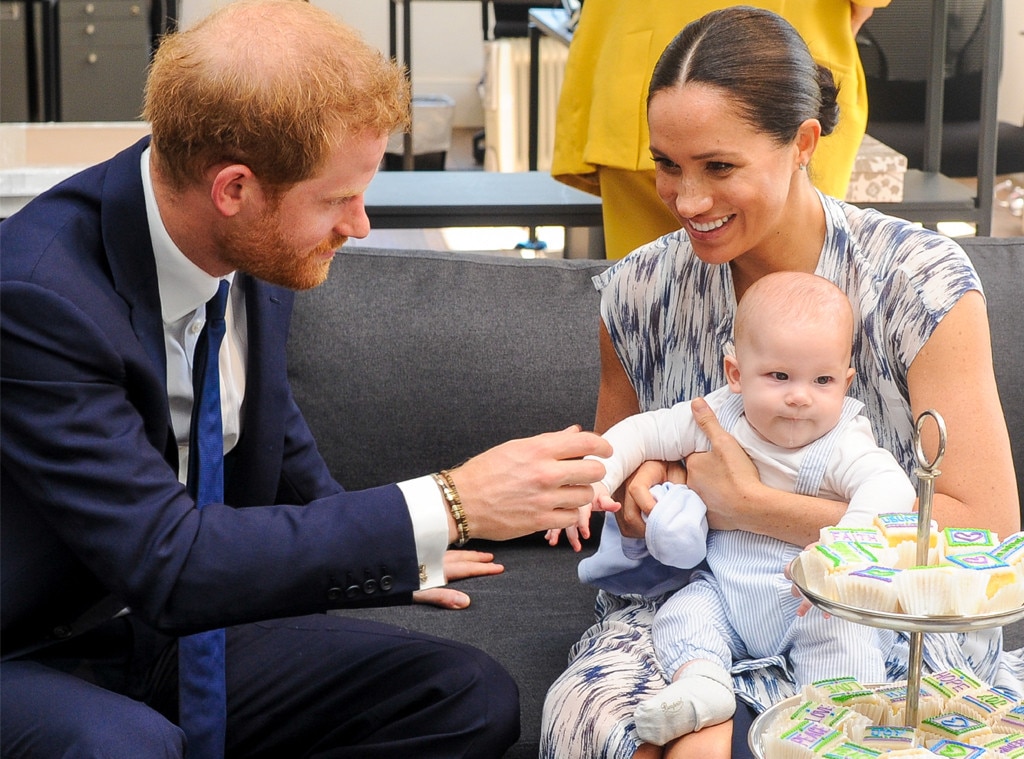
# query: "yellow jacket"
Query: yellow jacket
{"points": [[602, 114]]}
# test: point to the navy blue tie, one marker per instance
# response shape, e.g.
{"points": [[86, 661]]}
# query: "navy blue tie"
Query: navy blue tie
{"points": [[202, 699]]}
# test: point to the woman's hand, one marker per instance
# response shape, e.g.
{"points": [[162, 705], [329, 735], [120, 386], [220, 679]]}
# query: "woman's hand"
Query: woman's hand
{"points": [[723, 477], [636, 498], [458, 565]]}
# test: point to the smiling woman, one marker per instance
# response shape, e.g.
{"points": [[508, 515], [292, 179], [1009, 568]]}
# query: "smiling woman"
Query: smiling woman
{"points": [[736, 107]]}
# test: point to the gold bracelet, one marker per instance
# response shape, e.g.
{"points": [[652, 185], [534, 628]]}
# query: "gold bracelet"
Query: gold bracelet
{"points": [[451, 498]]}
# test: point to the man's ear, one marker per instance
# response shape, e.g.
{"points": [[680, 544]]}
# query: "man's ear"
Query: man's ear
{"points": [[232, 186], [732, 373]]}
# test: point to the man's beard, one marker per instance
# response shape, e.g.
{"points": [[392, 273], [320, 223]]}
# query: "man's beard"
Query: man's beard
{"points": [[260, 249]]}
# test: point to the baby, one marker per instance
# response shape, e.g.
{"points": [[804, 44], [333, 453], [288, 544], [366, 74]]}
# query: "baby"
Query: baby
{"points": [[786, 405]]}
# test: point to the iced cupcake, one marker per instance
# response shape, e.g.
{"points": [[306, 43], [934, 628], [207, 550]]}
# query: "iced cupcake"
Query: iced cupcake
{"points": [[958, 540], [1002, 589], [939, 591], [900, 531], [803, 740], [872, 587]]}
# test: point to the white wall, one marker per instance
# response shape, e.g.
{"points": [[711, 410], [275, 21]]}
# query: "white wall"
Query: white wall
{"points": [[1011, 85], [447, 44]]}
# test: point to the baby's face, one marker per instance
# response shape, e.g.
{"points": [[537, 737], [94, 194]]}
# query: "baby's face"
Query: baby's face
{"points": [[793, 379]]}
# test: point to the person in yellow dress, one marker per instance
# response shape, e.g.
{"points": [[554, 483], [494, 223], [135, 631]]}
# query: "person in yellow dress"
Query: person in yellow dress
{"points": [[601, 140]]}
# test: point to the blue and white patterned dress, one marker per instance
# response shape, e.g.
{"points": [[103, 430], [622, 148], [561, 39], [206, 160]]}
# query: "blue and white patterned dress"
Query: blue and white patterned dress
{"points": [[670, 318]]}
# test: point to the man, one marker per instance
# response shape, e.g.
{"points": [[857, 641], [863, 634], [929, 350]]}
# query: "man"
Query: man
{"points": [[269, 120]]}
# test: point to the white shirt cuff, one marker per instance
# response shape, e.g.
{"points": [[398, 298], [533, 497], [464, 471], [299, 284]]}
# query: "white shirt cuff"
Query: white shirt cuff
{"points": [[429, 517]]}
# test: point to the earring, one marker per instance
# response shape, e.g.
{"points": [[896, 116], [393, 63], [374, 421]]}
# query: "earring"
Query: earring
{"points": [[802, 166]]}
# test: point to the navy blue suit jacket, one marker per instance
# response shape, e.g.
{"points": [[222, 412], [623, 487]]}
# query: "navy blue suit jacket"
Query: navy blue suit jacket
{"points": [[91, 504]]}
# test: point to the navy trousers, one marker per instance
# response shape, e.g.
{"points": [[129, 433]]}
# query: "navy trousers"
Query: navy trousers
{"points": [[314, 686]]}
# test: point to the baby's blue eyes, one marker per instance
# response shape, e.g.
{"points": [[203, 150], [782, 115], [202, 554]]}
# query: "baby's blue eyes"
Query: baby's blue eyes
{"points": [[783, 376]]}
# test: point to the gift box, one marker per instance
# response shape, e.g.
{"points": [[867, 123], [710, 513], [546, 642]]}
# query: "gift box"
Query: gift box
{"points": [[878, 174]]}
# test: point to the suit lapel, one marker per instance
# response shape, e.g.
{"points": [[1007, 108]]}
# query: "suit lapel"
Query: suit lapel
{"points": [[130, 251]]}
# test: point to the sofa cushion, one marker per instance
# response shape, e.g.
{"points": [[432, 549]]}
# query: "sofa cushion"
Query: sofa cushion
{"points": [[449, 354], [524, 332]]}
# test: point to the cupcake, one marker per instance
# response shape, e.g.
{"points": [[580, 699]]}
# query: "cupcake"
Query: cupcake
{"points": [[821, 563], [939, 591], [803, 740], [884, 738], [847, 692], [929, 703], [946, 747], [872, 587], [1004, 746], [986, 704], [950, 683], [836, 717], [1012, 721], [957, 540], [1002, 589], [900, 531], [955, 726], [1011, 550], [850, 750], [868, 536]]}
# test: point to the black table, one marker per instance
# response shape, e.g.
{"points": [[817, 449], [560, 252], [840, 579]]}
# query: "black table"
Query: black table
{"points": [[435, 199]]}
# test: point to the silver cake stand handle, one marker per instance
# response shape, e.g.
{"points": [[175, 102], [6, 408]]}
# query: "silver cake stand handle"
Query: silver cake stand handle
{"points": [[927, 470]]}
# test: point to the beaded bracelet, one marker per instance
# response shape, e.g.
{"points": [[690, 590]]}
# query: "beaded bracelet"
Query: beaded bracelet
{"points": [[451, 497]]}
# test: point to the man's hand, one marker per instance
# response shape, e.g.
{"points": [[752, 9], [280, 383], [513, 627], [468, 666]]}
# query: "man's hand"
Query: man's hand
{"points": [[529, 485], [458, 565]]}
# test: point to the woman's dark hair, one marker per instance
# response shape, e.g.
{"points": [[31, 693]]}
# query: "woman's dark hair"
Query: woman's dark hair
{"points": [[760, 60]]}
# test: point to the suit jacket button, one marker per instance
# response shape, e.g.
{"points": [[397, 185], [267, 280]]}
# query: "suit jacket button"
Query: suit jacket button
{"points": [[386, 582], [334, 594], [352, 591], [62, 631], [369, 586]]}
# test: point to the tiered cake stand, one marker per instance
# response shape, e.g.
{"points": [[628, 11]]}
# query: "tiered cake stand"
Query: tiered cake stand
{"points": [[926, 472]]}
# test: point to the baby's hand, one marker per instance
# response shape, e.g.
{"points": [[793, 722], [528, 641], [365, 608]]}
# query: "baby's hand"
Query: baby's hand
{"points": [[572, 534], [602, 502], [805, 605]]}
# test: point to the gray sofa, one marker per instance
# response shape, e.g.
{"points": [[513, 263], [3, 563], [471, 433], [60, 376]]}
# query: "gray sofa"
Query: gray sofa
{"points": [[405, 362]]}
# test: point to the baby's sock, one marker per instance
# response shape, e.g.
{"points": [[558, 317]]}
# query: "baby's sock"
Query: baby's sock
{"points": [[701, 696]]}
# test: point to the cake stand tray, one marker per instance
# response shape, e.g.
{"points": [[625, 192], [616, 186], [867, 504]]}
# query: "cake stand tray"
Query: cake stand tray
{"points": [[904, 622], [759, 727]]}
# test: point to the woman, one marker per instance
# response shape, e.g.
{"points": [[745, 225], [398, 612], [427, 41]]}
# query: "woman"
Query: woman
{"points": [[601, 125], [736, 107]]}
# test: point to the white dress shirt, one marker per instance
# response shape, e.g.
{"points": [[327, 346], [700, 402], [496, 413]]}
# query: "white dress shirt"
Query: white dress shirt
{"points": [[184, 291]]}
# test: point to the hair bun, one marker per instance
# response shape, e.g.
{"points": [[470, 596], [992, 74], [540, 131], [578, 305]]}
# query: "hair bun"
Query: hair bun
{"points": [[828, 112]]}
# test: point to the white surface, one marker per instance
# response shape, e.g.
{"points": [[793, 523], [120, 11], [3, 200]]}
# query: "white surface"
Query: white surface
{"points": [[18, 186]]}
